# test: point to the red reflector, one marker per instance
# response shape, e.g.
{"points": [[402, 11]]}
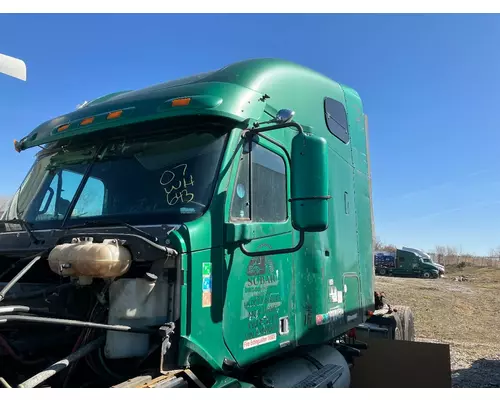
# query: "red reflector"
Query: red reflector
{"points": [[352, 333], [369, 313]]}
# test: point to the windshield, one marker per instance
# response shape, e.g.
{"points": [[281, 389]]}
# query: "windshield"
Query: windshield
{"points": [[161, 179]]}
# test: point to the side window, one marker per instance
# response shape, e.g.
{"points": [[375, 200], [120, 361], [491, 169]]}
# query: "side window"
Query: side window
{"points": [[260, 193], [64, 184], [240, 204], [336, 119], [268, 186]]}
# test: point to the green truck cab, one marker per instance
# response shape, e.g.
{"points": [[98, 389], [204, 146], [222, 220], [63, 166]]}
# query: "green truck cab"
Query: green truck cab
{"points": [[410, 263], [428, 259], [219, 225]]}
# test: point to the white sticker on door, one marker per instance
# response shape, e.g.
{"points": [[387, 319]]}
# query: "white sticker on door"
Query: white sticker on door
{"points": [[248, 344]]}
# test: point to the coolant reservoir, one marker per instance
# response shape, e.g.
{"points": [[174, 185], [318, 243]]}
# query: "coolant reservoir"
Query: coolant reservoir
{"points": [[138, 303], [85, 258]]}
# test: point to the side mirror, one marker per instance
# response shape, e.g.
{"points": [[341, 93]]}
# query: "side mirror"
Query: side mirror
{"points": [[309, 183]]}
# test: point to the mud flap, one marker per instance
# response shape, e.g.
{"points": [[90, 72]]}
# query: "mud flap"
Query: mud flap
{"points": [[402, 364]]}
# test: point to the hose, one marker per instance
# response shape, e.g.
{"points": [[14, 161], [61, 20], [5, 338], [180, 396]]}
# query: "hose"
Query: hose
{"points": [[61, 364], [5, 344], [72, 322], [13, 266], [5, 383], [41, 292], [21, 273], [80, 341], [11, 309]]}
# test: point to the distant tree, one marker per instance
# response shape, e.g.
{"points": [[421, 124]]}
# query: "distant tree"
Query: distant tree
{"points": [[495, 252], [378, 244], [381, 246]]}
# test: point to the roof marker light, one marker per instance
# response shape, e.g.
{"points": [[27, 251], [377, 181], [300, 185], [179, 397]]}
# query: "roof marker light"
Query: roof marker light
{"points": [[87, 121], [114, 114], [181, 102], [63, 128]]}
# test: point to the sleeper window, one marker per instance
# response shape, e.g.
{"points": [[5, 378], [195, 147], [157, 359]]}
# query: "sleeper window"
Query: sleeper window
{"points": [[336, 119]]}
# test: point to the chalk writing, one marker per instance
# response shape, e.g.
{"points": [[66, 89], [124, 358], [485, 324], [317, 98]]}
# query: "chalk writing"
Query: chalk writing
{"points": [[175, 183]]}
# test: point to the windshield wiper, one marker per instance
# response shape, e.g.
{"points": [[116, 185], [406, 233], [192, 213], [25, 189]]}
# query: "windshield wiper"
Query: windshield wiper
{"points": [[25, 225], [104, 223]]}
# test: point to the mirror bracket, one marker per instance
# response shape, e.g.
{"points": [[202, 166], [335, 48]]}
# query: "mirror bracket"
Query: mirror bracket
{"points": [[282, 120]]}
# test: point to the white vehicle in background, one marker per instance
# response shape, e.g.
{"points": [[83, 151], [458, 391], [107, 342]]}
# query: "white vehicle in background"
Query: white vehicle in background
{"points": [[13, 67]]}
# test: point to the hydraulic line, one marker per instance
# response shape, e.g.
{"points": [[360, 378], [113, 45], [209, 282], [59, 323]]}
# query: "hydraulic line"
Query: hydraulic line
{"points": [[19, 276], [37, 293], [72, 322], [61, 364]]}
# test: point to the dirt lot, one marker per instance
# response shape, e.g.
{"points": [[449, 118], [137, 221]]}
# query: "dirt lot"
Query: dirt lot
{"points": [[465, 315]]}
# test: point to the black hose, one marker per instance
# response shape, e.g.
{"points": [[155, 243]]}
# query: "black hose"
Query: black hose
{"points": [[21, 273], [72, 322], [61, 364], [41, 292]]}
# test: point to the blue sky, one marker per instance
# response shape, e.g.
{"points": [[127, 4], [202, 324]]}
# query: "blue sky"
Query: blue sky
{"points": [[430, 85]]}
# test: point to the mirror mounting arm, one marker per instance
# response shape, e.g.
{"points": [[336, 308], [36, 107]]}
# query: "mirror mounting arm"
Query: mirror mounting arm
{"points": [[274, 252], [258, 130]]}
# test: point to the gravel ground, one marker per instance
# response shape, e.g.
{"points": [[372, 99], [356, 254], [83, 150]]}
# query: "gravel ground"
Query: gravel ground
{"points": [[461, 314]]}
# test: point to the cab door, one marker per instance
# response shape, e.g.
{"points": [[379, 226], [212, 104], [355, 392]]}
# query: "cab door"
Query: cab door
{"points": [[259, 318]]}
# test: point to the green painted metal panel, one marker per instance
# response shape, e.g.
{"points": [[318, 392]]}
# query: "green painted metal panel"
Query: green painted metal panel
{"points": [[233, 305]]}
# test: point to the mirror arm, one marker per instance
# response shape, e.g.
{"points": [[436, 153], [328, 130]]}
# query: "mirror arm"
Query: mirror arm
{"points": [[278, 126], [258, 131], [274, 252]]}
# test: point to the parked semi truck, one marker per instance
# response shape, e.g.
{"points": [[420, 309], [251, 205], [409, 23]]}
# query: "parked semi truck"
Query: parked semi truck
{"points": [[428, 259], [406, 262], [212, 231]]}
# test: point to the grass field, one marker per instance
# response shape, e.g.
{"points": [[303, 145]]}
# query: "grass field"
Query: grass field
{"points": [[465, 315]]}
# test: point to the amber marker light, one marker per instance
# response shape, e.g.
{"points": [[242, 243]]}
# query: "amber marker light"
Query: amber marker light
{"points": [[181, 102], [63, 128], [115, 114], [87, 121]]}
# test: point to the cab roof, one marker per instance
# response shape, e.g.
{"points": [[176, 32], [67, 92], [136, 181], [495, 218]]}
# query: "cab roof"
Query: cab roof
{"points": [[238, 91]]}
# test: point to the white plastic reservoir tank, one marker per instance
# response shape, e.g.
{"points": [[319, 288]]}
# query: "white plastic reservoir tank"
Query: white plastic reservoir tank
{"points": [[140, 302]]}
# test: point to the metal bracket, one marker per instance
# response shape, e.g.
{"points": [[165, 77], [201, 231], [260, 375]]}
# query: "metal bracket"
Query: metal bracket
{"points": [[165, 332]]}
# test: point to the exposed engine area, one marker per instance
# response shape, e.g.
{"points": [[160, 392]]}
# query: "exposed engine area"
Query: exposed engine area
{"points": [[91, 311]]}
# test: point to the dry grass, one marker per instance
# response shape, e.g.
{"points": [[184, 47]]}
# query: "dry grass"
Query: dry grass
{"points": [[462, 314]]}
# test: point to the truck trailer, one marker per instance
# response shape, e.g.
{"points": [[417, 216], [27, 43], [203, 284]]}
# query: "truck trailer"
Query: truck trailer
{"points": [[210, 231]]}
